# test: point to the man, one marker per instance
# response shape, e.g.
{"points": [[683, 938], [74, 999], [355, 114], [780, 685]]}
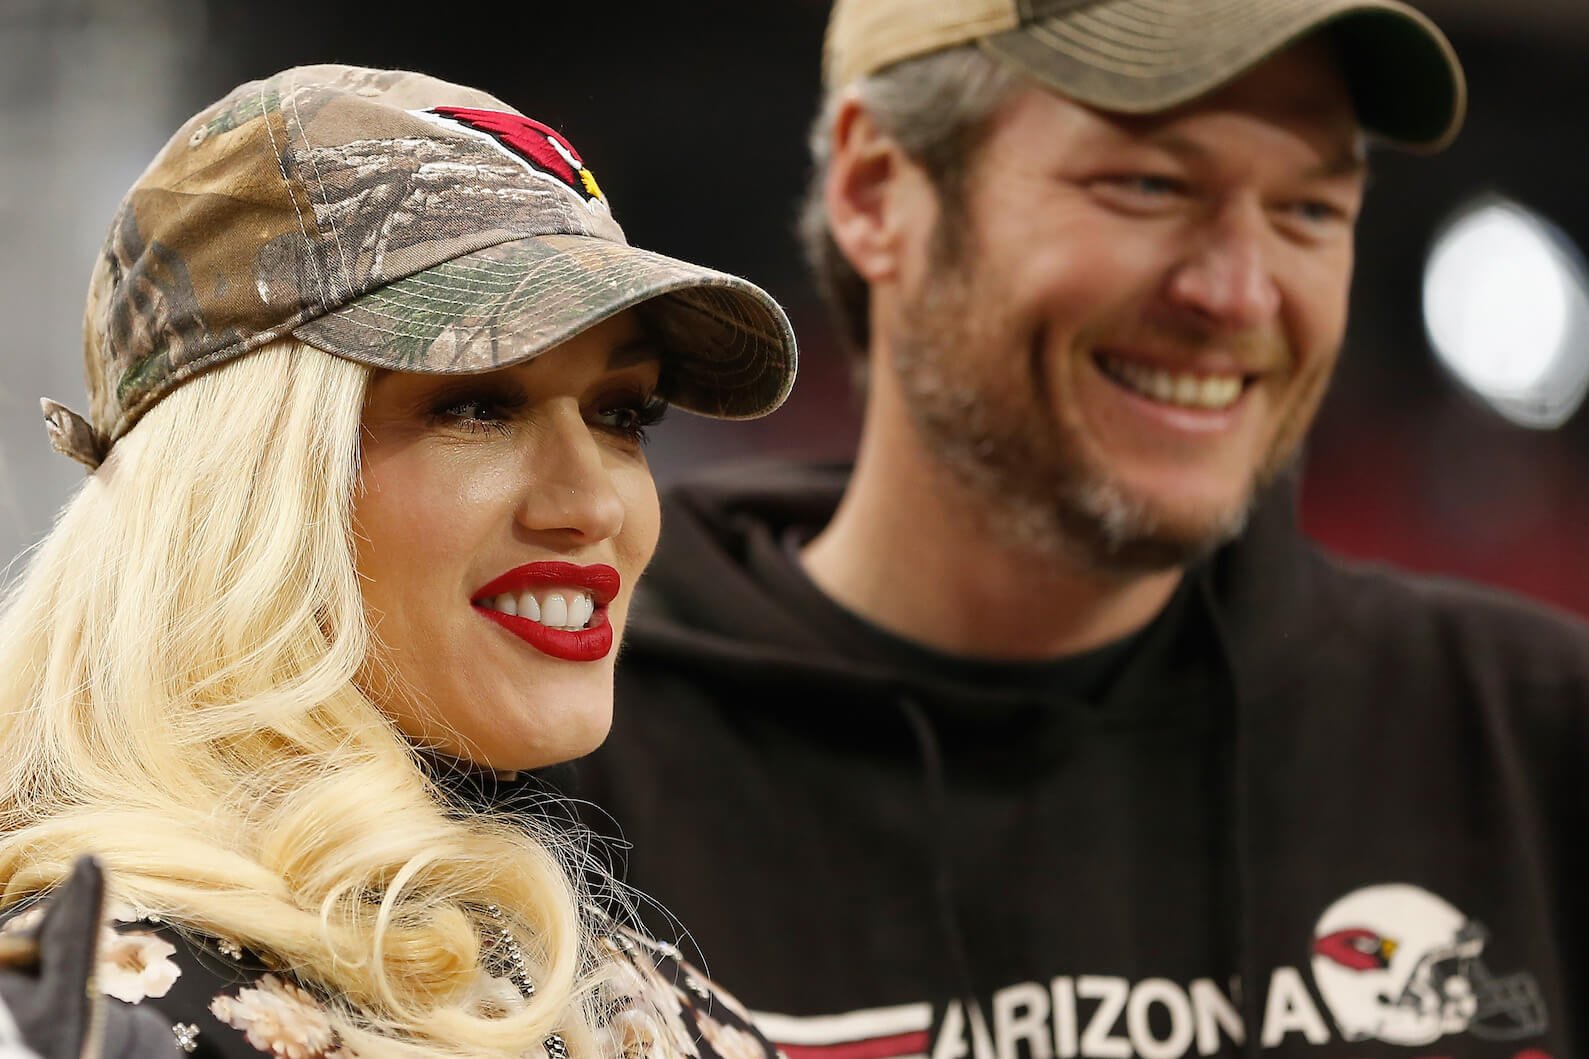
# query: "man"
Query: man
{"points": [[1042, 732]]}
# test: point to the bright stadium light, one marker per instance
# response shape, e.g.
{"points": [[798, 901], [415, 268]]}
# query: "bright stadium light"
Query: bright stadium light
{"points": [[1506, 306]]}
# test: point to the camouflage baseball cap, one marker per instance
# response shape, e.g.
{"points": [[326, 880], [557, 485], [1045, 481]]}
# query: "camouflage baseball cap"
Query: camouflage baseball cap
{"points": [[399, 221]]}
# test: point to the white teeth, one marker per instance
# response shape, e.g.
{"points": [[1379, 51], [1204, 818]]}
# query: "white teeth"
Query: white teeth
{"points": [[1218, 392], [564, 608], [1180, 388], [529, 607]]}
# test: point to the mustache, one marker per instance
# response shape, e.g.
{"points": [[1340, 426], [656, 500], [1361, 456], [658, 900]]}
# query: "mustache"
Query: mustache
{"points": [[1256, 350]]}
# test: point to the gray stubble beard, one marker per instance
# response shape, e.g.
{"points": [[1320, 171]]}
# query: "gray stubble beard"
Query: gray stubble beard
{"points": [[1037, 498]]}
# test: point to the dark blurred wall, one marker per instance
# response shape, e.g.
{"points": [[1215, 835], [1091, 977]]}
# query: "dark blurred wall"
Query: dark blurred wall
{"points": [[1403, 464]]}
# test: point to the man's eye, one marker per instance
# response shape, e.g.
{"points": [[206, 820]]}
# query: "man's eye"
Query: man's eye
{"points": [[631, 418], [1317, 211], [1141, 192], [1150, 184]]}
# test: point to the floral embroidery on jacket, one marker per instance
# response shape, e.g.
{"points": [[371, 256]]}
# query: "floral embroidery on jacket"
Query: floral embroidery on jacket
{"points": [[661, 1007], [281, 1019], [24, 921], [135, 965], [130, 965]]}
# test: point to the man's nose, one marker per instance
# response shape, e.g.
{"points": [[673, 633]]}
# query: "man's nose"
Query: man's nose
{"points": [[569, 491], [1226, 279]]}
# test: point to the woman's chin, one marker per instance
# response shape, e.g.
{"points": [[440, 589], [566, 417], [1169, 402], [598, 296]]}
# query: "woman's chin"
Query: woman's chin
{"points": [[575, 738]]}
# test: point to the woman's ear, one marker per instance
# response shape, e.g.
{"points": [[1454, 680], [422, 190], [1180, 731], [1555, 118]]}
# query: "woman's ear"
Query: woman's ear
{"points": [[863, 192]]}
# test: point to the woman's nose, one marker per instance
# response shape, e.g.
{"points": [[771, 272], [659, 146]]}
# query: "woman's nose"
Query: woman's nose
{"points": [[569, 489]]}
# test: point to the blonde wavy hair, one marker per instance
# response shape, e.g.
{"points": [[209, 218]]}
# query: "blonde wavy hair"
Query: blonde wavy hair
{"points": [[179, 673]]}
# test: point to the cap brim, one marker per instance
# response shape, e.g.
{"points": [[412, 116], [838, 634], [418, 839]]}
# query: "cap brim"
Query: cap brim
{"points": [[1145, 56], [730, 349]]}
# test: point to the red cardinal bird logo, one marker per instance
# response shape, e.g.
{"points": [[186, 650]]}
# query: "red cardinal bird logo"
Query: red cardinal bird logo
{"points": [[1357, 949], [542, 147]]}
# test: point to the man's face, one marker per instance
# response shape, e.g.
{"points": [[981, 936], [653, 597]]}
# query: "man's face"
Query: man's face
{"points": [[1128, 326]]}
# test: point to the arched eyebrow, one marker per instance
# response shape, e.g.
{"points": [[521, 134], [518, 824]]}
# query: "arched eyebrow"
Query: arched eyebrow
{"points": [[641, 350]]}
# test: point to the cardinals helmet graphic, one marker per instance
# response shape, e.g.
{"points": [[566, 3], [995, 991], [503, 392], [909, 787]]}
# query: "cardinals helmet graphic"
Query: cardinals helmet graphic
{"points": [[1395, 963]]}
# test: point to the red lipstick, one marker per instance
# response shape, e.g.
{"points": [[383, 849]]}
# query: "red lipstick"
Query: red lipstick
{"points": [[578, 645]]}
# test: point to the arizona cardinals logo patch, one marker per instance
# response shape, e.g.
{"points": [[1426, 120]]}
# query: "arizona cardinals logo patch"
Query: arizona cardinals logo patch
{"points": [[1399, 964], [542, 148]]}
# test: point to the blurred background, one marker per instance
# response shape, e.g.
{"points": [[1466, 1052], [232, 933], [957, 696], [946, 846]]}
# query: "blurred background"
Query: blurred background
{"points": [[1449, 442]]}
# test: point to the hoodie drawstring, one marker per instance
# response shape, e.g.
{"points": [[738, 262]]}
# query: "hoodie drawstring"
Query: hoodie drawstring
{"points": [[933, 774], [1239, 819], [1252, 985]]}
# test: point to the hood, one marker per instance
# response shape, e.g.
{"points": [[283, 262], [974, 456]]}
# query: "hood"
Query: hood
{"points": [[701, 581], [702, 603]]}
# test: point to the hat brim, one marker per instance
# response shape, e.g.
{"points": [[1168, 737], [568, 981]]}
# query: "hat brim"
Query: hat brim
{"points": [[730, 350], [1146, 56]]}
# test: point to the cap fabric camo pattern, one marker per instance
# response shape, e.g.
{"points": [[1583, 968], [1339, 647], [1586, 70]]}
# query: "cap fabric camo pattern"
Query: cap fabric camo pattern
{"points": [[399, 221]]}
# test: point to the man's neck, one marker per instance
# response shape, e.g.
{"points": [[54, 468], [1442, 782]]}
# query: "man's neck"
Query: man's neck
{"points": [[908, 550]]}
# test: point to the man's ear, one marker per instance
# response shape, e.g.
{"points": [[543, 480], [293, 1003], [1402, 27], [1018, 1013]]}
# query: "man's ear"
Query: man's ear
{"points": [[863, 192]]}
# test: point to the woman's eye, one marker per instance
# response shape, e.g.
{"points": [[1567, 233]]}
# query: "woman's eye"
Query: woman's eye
{"points": [[475, 414], [631, 417]]}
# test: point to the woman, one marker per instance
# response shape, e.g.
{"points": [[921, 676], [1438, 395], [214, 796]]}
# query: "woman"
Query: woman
{"points": [[370, 367]]}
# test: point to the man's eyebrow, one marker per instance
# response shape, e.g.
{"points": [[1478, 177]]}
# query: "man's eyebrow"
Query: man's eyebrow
{"points": [[1176, 144], [1351, 162], [640, 350]]}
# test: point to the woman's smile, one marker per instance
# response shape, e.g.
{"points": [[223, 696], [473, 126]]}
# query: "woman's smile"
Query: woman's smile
{"points": [[555, 607]]}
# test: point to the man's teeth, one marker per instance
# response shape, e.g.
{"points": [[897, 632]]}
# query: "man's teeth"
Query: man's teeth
{"points": [[555, 608], [1181, 388]]}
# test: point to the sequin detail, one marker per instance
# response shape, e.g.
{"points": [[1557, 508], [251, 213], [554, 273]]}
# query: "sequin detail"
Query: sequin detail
{"points": [[187, 1036], [504, 958]]}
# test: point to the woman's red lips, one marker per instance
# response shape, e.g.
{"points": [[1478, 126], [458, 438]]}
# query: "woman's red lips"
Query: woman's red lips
{"points": [[575, 645]]}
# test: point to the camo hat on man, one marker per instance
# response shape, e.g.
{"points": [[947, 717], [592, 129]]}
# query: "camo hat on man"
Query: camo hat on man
{"points": [[399, 221], [1146, 56]]}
